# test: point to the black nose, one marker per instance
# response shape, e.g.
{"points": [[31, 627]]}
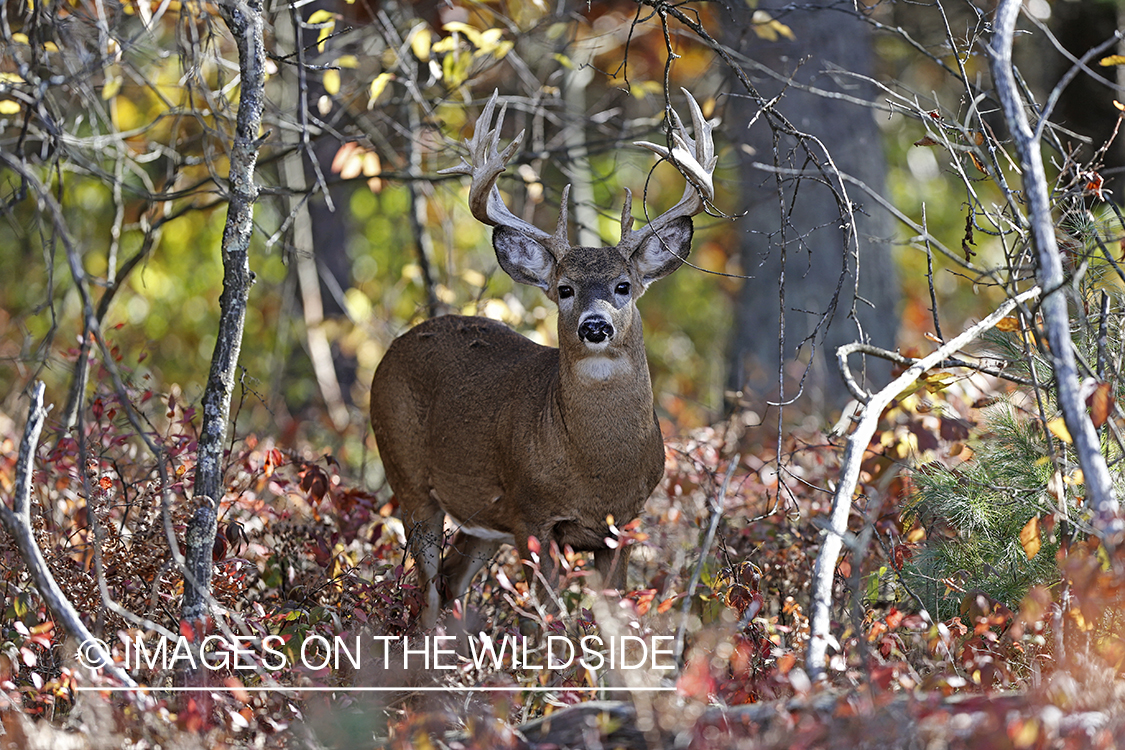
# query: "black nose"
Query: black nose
{"points": [[595, 330]]}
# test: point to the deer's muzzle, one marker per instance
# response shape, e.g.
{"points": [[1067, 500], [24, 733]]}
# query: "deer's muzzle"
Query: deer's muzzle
{"points": [[595, 329]]}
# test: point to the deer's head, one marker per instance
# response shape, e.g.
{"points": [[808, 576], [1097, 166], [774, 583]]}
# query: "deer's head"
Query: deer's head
{"points": [[595, 288]]}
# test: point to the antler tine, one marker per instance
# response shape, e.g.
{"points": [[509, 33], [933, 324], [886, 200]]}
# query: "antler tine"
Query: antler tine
{"points": [[485, 164], [695, 159]]}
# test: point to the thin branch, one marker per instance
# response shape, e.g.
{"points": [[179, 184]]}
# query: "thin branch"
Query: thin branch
{"points": [[712, 528], [1099, 487]]}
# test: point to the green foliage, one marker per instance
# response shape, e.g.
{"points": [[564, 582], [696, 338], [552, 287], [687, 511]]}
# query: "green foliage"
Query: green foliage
{"points": [[974, 515]]}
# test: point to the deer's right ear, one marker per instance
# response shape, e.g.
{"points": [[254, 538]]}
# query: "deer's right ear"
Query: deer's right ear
{"points": [[522, 258]]}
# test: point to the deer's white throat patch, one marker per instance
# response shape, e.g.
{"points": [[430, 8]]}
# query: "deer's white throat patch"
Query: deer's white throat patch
{"points": [[600, 368]]}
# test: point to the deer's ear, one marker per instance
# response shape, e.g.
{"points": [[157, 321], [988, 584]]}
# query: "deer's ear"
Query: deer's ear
{"points": [[522, 258], [659, 255]]}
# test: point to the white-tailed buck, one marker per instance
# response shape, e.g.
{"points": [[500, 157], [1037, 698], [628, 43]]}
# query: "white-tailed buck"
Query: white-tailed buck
{"points": [[512, 439]]}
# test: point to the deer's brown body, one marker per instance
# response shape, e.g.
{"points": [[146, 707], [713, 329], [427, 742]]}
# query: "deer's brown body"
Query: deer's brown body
{"points": [[545, 460], [512, 439]]}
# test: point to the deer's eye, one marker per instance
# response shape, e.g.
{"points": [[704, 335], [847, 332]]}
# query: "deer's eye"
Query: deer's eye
{"points": [[623, 288], [565, 291]]}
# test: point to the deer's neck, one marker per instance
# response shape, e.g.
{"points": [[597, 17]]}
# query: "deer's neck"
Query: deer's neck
{"points": [[605, 400]]}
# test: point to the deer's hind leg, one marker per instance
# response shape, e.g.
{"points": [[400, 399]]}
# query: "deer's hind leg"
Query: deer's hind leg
{"points": [[463, 559]]}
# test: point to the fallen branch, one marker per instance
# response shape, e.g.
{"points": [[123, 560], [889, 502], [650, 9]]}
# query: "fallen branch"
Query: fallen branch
{"points": [[825, 569], [17, 520]]}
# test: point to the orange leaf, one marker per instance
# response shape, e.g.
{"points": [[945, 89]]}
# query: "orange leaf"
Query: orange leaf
{"points": [[1101, 403], [1008, 324], [1030, 539], [977, 163]]}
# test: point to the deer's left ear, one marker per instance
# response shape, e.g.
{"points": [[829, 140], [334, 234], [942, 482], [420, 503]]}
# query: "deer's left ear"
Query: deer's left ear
{"points": [[661, 254], [522, 258]]}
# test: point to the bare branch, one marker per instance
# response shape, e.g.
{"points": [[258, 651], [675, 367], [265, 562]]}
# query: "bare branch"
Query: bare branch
{"points": [[1099, 488]]}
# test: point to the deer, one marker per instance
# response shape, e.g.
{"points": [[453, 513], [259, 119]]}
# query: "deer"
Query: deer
{"points": [[513, 440]]}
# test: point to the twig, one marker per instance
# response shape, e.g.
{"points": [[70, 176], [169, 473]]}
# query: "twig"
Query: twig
{"points": [[847, 350], [825, 568]]}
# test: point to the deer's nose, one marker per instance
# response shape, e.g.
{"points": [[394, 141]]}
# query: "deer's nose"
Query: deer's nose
{"points": [[595, 329]]}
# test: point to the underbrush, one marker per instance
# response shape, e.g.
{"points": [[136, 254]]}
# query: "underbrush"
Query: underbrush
{"points": [[311, 579]]}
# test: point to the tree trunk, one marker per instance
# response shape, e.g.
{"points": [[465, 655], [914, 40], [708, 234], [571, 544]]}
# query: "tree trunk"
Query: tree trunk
{"points": [[245, 22], [803, 264]]}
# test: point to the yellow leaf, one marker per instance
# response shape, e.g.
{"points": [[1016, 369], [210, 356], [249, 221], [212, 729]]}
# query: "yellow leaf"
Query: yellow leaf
{"points": [[563, 60], [326, 22], [1112, 60], [111, 88], [937, 382], [490, 39], [644, 88], [331, 82], [502, 49], [465, 30], [377, 87], [444, 45], [1119, 105], [769, 28], [420, 43], [20, 38], [371, 166], [1030, 539], [352, 166], [347, 61], [9, 107], [1057, 426]]}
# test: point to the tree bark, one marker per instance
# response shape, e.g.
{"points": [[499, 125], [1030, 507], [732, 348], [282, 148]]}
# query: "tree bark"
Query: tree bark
{"points": [[245, 22]]}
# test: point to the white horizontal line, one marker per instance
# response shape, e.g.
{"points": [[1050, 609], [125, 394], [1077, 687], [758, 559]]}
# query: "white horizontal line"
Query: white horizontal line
{"points": [[323, 689]]}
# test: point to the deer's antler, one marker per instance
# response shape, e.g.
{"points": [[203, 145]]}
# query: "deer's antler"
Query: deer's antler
{"points": [[695, 159], [485, 164]]}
